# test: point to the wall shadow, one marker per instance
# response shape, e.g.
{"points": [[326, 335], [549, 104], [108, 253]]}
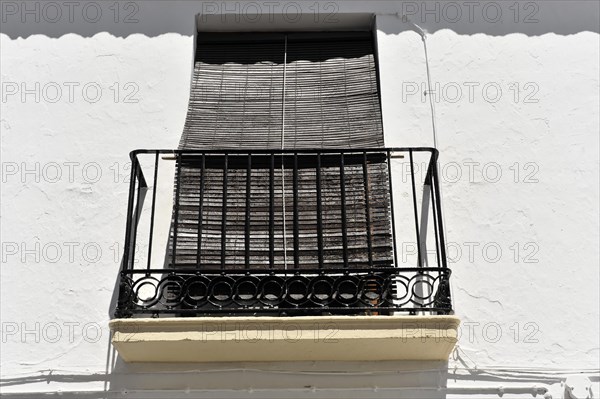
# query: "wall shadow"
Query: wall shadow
{"points": [[382, 380], [154, 18], [386, 379], [496, 18]]}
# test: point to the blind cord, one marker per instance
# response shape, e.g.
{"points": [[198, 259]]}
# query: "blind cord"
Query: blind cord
{"points": [[282, 156]]}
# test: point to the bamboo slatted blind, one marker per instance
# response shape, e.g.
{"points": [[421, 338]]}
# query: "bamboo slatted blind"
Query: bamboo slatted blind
{"points": [[331, 93], [283, 91]]}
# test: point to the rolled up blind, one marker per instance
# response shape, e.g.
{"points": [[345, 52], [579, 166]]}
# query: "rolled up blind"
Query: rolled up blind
{"points": [[237, 95], [331, 94]]}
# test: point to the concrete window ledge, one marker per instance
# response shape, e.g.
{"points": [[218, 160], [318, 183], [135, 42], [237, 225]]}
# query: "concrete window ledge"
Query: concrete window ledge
{"points": [[345, 338]]}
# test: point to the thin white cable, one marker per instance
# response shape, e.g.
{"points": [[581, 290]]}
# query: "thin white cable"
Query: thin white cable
{"points": [[431, 102], [423, 35], [522, 371], [271, 392], [282, 148]]}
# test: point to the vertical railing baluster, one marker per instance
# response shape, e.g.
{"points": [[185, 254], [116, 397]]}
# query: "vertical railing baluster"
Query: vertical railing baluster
{"points": [[154, 188], [367, 208], [224, 211], [343, 206], [136, 216], [434, 206], [296, 216], [442, 244], [319, 213], [391, 186], [414, 195], [443, 297], [125, 302], [272, 212], [247, 225], [176, 209], [131, 200], [201, 210]]}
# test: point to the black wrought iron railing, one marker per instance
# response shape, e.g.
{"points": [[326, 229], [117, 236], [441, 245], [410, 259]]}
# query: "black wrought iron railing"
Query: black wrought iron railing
{"points": [[292, 232]]}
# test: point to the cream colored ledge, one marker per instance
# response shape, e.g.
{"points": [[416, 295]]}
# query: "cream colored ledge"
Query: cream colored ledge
{"points": [[228, 339]]}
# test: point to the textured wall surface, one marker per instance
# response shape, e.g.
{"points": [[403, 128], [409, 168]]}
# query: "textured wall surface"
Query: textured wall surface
{"points": [[517, 125]]}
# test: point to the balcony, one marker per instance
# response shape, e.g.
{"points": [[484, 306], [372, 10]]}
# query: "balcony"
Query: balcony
{"points": [[346, 240]]}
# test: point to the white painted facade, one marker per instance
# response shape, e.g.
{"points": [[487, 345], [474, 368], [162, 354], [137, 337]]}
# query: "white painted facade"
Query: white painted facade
{"points": [[517, 121]]}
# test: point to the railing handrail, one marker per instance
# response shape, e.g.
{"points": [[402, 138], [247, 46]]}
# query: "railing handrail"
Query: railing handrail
{"points": [[133, 154]]}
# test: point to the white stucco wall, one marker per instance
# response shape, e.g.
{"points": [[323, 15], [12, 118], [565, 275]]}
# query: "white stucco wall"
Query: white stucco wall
{"points": [[530, 313]]}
